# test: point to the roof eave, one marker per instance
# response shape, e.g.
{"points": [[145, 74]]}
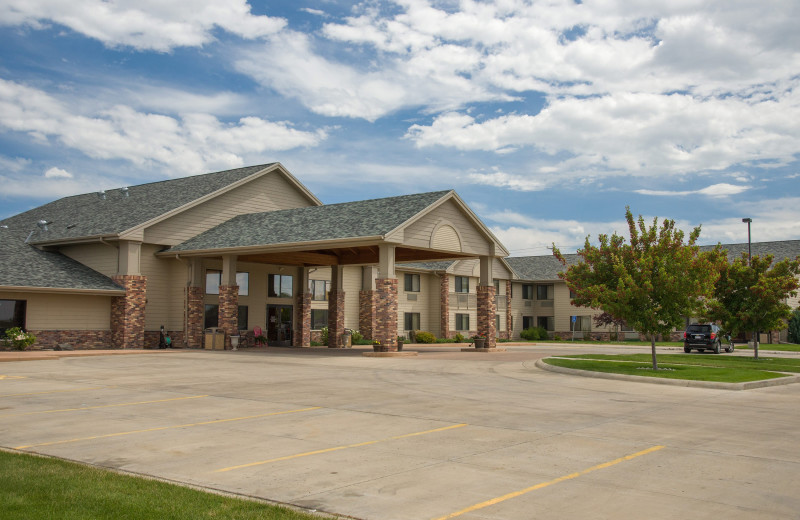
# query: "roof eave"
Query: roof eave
{"points": [[63, 290], [283, 247]]}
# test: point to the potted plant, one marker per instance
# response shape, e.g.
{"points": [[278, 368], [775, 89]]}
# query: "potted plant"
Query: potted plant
{"points": [[400, 341], [376, 346], [479, 340]]}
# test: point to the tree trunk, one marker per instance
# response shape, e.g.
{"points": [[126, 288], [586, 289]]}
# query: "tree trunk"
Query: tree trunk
{"points": [[653, 348], [755, 343]]}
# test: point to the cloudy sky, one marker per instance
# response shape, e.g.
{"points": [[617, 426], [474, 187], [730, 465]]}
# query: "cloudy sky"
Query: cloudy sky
{"points": [[547, 117]]}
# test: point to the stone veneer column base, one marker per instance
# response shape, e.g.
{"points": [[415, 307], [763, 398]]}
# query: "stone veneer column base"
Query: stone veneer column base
{"points": [[486, 314], [444, 306], [366, 313], [386, 313], [335, 318], [302, 326], [229, 312], [79, 339], [127, 312], [195, 317]]}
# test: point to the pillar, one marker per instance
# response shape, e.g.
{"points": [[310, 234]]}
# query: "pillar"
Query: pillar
{"points": [[195, 308], [128, 312], [335, 307], [302, 315], [487, 307], [386, 312], [444, 305], [509, 317], [229, 299], [366, 302]]}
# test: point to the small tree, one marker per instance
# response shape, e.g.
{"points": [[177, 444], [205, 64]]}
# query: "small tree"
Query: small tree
{"points": [[752, 296], [650, 283], [604, 319], [794, 327]]}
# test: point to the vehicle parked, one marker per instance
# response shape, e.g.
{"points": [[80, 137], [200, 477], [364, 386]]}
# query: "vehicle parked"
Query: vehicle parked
{"points": [[706, 336]]}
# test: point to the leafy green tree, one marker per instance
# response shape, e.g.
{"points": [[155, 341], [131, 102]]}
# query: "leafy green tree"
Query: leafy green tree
{"points": [[651, 283], [752, 297], [794, 327]]}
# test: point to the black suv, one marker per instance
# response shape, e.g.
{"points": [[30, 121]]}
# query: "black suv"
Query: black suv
{"points": [[702, 337]]}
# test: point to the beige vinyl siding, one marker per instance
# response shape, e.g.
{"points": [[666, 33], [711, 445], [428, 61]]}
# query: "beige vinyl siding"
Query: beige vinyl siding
{"points": [[563, 308], [446, 238], [323, 273], [420, 232], [351, 284], [469, 268], [100, 257], [267, 193], [166, 280], [519, 308], [257, 292], [64, 311], [472, 310], [420, 302], [434, 296]]}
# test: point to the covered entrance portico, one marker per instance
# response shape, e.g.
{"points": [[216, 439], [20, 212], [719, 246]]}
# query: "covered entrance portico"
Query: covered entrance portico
{"points": [[376, 235]]}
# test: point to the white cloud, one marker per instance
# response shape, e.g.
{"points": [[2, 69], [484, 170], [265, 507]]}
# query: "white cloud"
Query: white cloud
{"points": [[55, 172], [715, 190], [189, 144], [506, 180], [143, 24]]}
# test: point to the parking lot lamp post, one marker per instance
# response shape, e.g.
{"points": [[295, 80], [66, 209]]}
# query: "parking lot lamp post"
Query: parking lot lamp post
{"points": [[749, 260]]}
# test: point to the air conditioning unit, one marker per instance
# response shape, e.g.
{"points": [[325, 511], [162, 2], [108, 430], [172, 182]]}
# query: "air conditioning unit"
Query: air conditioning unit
{"points": [[412, 297]]}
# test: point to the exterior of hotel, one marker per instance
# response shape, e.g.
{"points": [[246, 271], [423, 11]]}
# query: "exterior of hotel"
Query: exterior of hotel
{"points": [[252, 248]]}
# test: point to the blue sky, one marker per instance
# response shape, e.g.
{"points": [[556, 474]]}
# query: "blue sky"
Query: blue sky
{"points": [[547, 118]]}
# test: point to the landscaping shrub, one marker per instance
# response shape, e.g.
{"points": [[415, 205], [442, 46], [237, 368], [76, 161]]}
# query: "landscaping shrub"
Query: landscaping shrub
{"points": [[794, 327], [458, 338], [19, 340], [323, 336], [425, 337], [534, 333]]}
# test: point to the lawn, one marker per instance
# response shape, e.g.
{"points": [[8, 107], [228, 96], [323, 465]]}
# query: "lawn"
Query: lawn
{"points": [[693, 367], [782, 347], [34, 488]]}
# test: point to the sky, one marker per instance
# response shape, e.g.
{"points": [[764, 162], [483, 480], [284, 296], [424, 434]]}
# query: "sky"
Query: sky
{"points": [[548, 118]]}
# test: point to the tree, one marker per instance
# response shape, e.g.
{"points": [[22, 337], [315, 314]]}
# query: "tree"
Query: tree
{"points": [[652, 283], [604, 319], [752, 296], [794, 327]]}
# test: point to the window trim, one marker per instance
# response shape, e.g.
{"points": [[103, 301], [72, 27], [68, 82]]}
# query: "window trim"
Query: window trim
{"points": [[461, 318], [411, 277], [460, 281], [414, 316]]}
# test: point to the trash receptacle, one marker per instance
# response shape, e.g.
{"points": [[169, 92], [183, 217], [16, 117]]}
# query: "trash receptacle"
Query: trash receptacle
{"points": [[214, 339], [347, 338]]}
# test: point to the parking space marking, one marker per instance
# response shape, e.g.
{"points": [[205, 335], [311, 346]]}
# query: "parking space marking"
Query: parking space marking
{"points": [[337, 448], [541, 485], [57, 391], [103, 406], [3, 376], [119, 434]]}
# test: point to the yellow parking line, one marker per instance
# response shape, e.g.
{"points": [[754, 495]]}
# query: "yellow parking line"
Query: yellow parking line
{"points": [[57, 391], [217, 421], [327, 450], [104, 406], [549, 483], [3, 376]]}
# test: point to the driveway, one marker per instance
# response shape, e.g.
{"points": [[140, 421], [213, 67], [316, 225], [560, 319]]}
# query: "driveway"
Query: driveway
{"points": [[441, 435]]}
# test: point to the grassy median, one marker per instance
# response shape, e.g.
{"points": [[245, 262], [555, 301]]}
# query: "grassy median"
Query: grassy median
{"points": [[693, 367], [33, 488]]}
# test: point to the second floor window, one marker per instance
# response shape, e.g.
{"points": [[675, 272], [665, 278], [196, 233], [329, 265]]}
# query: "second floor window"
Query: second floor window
{"points": [[280, 286], [214, 280], [319, 289], [462, 284], [527, 292], [412, 282]]}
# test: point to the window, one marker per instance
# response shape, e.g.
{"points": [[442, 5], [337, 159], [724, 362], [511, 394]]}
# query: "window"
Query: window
{"points": [[412, 283], [546, 322], [497, 322], [462, 321], [319, 318], [411, 321], [462, 284], [211, 316], [12, 314], [572, 293], [497, 286], [581, 323], [243, 317], [527, 322], [280, 286], [214, 279], [527, 291], [319, 290], [542, 292]]}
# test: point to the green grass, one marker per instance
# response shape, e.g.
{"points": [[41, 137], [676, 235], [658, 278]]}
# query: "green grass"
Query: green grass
{"points": [[693, 367], [34, 488], [783, 347]]}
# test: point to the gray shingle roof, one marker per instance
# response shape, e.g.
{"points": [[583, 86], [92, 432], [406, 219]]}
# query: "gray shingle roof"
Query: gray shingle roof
{"points": [[365, 218], [88, 215], [428, 266], [547, 267]]}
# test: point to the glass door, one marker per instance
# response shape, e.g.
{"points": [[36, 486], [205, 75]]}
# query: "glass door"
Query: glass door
{"points": [[279, 325]]}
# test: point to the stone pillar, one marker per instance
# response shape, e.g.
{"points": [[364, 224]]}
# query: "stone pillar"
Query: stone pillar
{"points": [[229, 311], [195, 317], [128, 312], [366, 302], [444, 305], [386, 313], [302, 326], [509, 318], [336, 307], [486, 314]]}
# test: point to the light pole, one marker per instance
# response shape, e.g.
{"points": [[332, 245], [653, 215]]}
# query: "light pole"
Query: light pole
{"points": [[749, 261]]}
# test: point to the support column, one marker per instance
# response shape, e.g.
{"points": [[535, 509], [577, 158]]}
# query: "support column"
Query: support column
{"points": [[386, 313], [487, 303], [336, 308], [444, 305], [127, 312], [302, 315], [366, 302], [509, 317], [195, 309], [229, 299]]}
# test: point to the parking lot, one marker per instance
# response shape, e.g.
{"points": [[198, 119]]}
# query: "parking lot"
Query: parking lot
{"points": [[441, 435]]}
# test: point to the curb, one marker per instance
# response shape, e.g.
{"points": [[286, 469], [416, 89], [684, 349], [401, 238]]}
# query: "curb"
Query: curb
{"points": [[788, 380]]}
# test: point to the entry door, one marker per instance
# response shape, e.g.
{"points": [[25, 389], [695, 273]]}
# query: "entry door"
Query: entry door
{"points": [[279, 325]]}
